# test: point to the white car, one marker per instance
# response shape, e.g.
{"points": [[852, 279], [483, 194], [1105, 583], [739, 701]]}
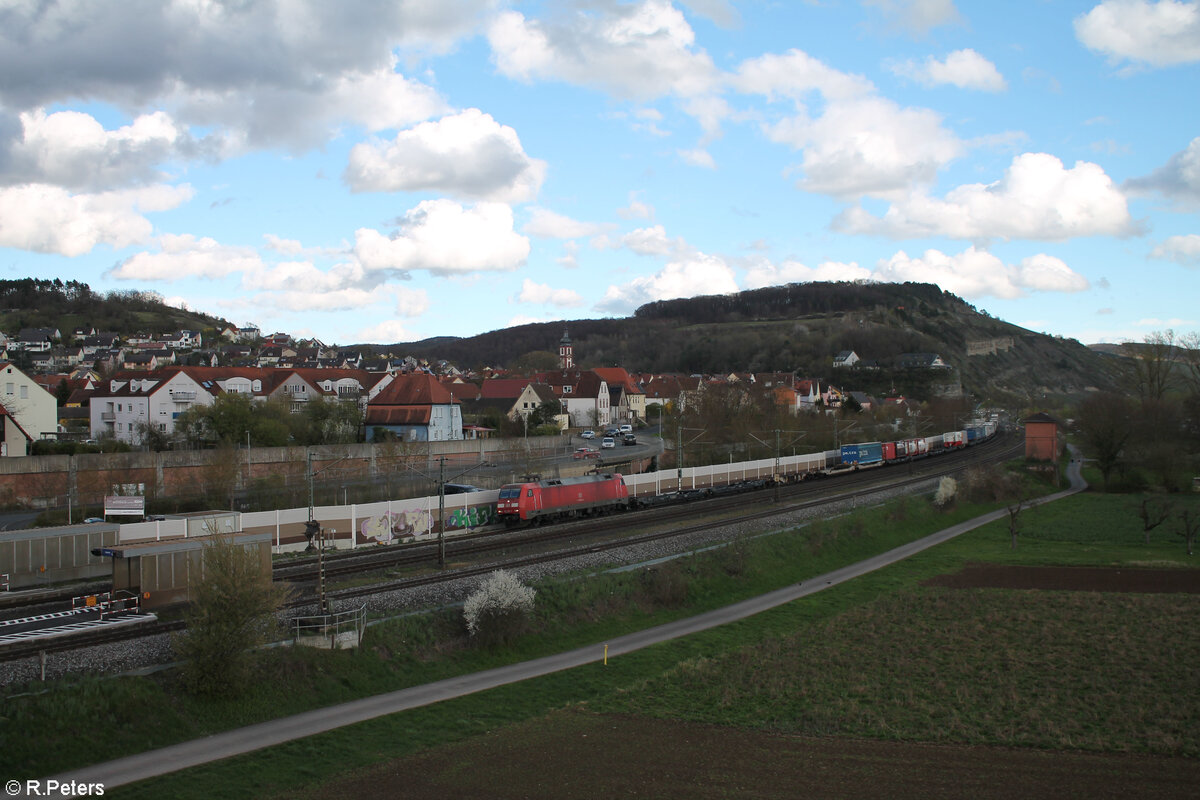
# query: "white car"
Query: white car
{"points": [[608, 442], [626, 429], [588, 435]]}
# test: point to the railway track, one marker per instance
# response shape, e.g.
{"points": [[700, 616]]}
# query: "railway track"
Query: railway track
{"points": [[791, 497]]}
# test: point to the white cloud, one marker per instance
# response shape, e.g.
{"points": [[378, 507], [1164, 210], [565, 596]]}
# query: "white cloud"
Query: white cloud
{"points": [[917, 16], [1180, 249], [73, 150], [465, 155], [303, 276], [349, 299], [388, 331], [1160, 34], [765, 273], [570, 257], [525, 319], [443, 237], [795, 75], [698, 157], [48, 219], [965, 69], [541, 293], [721, 12], [289, 247], [1178, 179], [859, 142], [1036, 199], [699, 274], [1173, 322], [976, 273], [636, 209], [276, 71], [634, 51], [547, 224], [185, 256], [652, 241], [867, 145]]}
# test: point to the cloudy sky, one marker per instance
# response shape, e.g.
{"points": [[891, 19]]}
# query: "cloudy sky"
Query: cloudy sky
{"points": [[390, 170]]}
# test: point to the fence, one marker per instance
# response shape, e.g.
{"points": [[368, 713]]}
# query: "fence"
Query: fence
{"points": [[337, 631]]}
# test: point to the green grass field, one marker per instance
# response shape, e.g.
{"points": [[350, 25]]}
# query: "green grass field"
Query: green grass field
{"points": [[837, 662]]}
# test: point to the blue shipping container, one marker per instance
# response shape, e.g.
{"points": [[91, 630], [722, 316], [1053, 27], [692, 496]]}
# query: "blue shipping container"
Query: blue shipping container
{"points": [[867, 453]]}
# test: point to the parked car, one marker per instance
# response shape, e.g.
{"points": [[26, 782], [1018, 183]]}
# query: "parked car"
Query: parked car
{"points": [[588, 434], [460, 488], [90, 520], [611, 432], [586, 452], [608, 442], [626, 429], [630, 439]]}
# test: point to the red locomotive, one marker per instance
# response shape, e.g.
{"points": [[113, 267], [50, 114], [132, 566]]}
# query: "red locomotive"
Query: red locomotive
{"points": [[561, 497]]}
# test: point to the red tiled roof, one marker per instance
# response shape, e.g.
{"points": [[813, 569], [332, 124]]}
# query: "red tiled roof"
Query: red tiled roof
{"points": [[412, 390], [397, 415]]}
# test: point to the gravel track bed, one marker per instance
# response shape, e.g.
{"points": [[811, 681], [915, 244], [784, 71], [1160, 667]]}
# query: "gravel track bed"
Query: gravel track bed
{"points": [[152, 651]]}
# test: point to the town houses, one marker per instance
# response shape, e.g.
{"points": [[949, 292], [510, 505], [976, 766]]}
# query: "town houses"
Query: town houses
{"points": [[100, 385]]}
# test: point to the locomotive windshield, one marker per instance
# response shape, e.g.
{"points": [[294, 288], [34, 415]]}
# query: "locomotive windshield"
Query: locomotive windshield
{"points": [[509, 492]]}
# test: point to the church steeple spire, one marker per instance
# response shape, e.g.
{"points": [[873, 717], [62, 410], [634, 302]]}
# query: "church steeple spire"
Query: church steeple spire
{"points": [[566, 353]]}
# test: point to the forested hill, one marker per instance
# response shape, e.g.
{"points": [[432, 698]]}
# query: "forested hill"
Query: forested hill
{"points": [[42, 303], [802, 299], [800, 327]]}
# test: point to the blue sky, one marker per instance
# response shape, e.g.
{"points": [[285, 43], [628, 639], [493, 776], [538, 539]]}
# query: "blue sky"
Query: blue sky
{"points": [[386, 171]]}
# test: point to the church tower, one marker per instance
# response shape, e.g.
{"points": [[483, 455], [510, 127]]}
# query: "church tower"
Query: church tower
{"points": [[566, 353]]}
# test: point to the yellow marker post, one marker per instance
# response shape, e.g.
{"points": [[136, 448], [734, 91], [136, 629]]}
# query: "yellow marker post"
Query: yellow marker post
{"points": [[606, 655]]}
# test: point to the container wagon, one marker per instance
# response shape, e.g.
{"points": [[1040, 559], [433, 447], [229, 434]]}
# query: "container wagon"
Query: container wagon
{"points": [[861, 455]]}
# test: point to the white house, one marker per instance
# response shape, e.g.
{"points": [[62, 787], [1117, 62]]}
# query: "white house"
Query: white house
{"points": [[34, 408], [846, 358]]}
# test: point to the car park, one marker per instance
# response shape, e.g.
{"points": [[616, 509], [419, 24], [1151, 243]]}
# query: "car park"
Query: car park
{"points": [[586, 452], [608, 442], [588, 434]]}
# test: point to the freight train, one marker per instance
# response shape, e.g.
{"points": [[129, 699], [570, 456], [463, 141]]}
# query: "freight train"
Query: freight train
{"points": [[537, 502], [854, 456]]}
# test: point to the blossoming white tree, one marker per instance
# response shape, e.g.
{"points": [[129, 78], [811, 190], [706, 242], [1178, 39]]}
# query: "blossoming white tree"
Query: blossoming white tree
{"points": [[499, 609]]}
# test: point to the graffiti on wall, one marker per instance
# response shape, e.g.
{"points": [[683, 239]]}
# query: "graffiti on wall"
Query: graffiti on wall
{"points": [[417, 523], [396, 526], [471, 517]]}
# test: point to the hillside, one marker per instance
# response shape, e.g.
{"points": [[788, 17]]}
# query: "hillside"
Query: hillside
{"points": [[800, 327], [39, 303]]}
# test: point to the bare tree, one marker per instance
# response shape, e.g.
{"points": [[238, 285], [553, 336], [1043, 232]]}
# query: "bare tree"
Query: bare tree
{"points": [[1190, 526], [1151, 363], [1106, 422], [1153, 511], [1189, 355], [1010, 490]]}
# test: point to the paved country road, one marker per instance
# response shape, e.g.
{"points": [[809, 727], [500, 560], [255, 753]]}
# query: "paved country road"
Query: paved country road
{"points": [[265, 734]]}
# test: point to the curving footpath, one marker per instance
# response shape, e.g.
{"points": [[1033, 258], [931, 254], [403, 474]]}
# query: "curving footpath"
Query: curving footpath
{"points": [[243, 740]]}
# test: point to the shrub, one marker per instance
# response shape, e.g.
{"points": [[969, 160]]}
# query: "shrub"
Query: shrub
{"points": [[499, 609], [947, 489], [666, 585]]}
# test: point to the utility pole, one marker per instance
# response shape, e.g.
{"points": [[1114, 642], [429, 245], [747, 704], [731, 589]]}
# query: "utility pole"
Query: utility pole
{"points": [[442, 513], [679, 451]]}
